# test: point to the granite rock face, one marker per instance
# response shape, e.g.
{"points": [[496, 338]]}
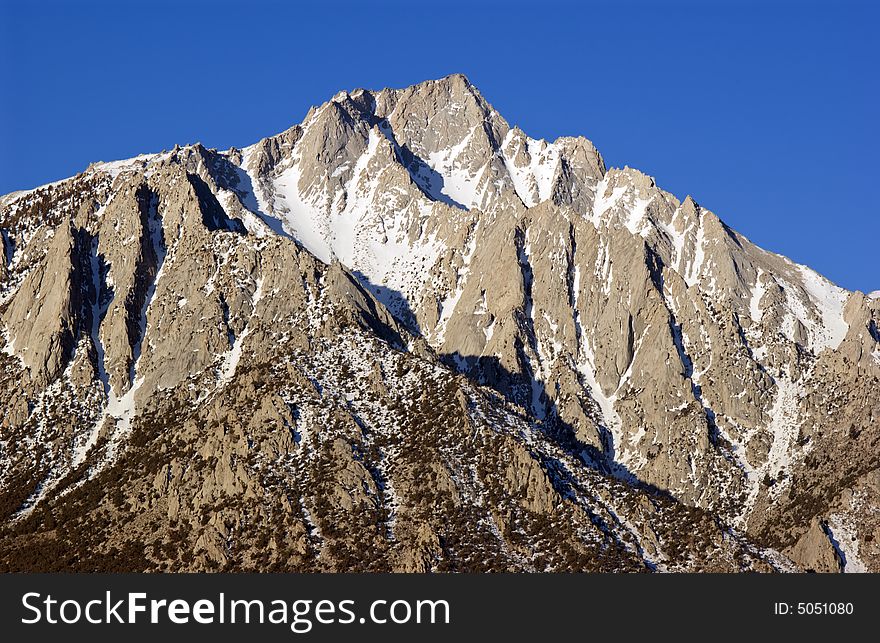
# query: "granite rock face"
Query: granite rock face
{"points": [[404, 335]]}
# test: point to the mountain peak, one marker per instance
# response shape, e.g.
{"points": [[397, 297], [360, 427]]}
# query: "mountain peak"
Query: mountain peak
{"points": [[453, 79], [394, 289], [454, 82]]}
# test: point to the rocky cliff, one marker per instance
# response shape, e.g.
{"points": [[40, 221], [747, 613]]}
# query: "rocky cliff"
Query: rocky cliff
{"points": [[404, 335]]}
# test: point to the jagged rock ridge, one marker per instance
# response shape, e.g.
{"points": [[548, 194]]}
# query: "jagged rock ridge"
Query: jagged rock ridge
{"points": [[407, 324]]}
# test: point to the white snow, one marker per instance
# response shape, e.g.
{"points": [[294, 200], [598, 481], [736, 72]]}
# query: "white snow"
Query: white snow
{"points": [[532, 182], [371, 233], [552, 324], [636, 437], [451, 301], [677, 238], [539, 374], [9, 345], [254, 222], [603, 203], [545, 160], [696, 266], [783, 428], [604, 268], [817, 305], [481, 311], [343, 236], [757, 295], [303, 220], [874, 295], [586, 366], [627, 374], [635, 221], [230, 359], [115, 168], [122, 409], [459, 184], [12, 197], [522, 176], [830, 300], [98, 311], [489, 330]]}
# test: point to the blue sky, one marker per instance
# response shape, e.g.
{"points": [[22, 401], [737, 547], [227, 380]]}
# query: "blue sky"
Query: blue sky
{"points": [[765, 112]]}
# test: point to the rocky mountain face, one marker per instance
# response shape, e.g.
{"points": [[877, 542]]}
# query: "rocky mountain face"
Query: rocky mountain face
{"points": [[403, 335]]}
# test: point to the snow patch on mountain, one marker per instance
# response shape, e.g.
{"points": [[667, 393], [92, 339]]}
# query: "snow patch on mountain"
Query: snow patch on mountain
{"points": [[783, 428], [635, 221], [758, 291], [829, 300], [115, 168], [696, 265], [303, 220], [459, 183], [451, 301], [545, 160], [229, 360]]}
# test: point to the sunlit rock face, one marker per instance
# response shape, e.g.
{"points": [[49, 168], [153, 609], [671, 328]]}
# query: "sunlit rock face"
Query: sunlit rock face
{"points": [[403, 335]]}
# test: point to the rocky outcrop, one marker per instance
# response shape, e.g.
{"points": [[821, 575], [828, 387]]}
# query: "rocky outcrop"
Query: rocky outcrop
{"points": [[815, 551], [5, 254], [403, 335], [45, 317]]}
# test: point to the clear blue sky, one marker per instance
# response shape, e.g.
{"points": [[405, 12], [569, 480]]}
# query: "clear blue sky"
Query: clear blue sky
{"points": [[767, 113]]}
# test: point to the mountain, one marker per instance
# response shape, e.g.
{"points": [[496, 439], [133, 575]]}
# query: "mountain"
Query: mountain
{"points": [[403, 335]]}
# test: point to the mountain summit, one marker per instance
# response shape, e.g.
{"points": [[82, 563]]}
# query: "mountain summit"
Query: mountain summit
{"points": [[403, 335]]}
